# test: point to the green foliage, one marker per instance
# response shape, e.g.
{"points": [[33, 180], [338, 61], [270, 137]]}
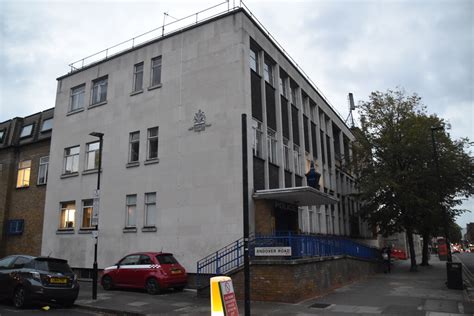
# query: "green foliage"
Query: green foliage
{"points": [[393, 155]]}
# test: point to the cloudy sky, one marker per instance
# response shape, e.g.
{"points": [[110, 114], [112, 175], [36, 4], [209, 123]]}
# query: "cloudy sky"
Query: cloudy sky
{"points": [[344, 46]]}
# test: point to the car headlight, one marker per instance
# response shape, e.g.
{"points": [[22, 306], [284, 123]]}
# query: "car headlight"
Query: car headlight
{"points": [[36, 276]]}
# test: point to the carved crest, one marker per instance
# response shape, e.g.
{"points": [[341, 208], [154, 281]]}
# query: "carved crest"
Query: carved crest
{"points": [[199, 122]]}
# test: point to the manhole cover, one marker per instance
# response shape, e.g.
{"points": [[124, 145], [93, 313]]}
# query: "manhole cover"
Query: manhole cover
{"points": [[320, 305]]}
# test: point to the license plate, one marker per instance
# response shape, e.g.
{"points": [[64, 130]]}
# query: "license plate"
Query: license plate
{"points": [[175, 271], [58, 280]]}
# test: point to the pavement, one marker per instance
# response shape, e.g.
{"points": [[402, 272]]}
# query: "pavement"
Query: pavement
{"points": [[398, 293]]}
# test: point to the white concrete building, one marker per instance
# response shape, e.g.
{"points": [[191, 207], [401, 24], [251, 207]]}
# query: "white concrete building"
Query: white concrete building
{"points": [[170, 111]]}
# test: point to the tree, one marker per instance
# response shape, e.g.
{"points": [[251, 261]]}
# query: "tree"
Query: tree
{"points": [[393, 157]]}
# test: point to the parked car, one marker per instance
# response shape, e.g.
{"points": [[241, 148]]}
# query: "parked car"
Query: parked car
{"points": [[27, 279], [152, 271]]}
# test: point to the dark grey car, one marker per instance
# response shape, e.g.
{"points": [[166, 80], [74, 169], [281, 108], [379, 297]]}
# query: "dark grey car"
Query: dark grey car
{"points": [[27, 279]]}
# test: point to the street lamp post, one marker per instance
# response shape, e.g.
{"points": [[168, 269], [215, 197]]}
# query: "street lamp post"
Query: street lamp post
{"points": [[443, 210], [96, 235]]}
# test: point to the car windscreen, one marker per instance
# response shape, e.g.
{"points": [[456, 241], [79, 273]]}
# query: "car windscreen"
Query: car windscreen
{"points": [[52, 265], [166, 259]]}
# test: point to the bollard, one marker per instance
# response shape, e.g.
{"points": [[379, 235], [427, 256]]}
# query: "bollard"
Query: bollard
{"points": [[223, 302]]}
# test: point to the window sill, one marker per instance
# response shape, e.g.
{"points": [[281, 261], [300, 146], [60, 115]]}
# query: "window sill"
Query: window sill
{"points": [[22, 188], [86, 230], [133, 164], [155, 87], [90, 171], [41, 184], [69, 175], [46, 131], [148, 229], [152, 161], [65, 231], [96, 104], [75, 111], [136, 92], [130, 230]]}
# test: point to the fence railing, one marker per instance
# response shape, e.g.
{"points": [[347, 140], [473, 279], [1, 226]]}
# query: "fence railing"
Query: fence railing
{"points": [[231, 257]]}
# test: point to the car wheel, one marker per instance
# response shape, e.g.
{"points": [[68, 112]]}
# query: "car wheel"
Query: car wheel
{"points": [[67, 303], [107, 283], [152, 286], [19, 298], [179, 288]]}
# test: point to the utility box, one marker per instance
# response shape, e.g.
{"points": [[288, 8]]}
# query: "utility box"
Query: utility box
{"points": [[454, 275]]}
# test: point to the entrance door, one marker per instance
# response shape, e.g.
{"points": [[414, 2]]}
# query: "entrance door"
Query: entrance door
{"points": [[286, 220]]}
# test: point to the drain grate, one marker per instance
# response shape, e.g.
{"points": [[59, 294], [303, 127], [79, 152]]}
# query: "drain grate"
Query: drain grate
{"points": [[320, 305]]}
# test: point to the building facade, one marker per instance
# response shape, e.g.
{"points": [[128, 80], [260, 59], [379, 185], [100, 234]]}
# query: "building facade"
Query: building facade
{"points": [[24, 160], [171, 177]]}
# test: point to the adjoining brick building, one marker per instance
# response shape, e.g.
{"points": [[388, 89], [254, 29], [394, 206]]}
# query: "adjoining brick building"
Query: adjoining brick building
{"points": [[24, 160]]}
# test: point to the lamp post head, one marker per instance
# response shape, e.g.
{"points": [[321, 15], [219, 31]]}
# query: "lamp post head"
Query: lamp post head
{"points": [[97, 134]]}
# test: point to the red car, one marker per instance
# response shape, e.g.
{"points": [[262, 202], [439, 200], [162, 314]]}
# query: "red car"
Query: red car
{"points": [[150, 270]]}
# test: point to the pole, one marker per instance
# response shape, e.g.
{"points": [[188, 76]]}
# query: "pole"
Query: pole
{"points": [[96, 239], [449, 257], [246, 215]]}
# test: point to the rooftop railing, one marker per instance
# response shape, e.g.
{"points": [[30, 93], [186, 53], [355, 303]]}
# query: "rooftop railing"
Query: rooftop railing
{"points": [[180, 24]]}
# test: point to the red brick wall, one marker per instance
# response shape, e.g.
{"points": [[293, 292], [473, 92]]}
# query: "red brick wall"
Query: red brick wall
{"points": [[292, 281]]}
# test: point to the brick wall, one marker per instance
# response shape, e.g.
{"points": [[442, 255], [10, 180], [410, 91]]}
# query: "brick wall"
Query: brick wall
{"points": [[25, 203], [292, 281]]}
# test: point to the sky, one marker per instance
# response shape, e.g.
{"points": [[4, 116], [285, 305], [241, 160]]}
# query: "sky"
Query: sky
{"points": [[422, 46]]}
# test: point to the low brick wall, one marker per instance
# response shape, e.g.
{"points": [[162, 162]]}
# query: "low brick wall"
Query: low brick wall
{"points": [[292, 281]]}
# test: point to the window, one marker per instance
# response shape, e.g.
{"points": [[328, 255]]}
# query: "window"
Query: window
{"points": [[297, 159], [286, 154], [2, 135], [24, 169], [15, 226], [134, 147], [130, 260], [152, 149], [92, 156], [272, 146], [47, 125], [253, 59], [87, 207], [268, 72], [26, 130], [294, 95], [138, 77], [68, 213], [150, 209], [99, 90], [43, 170], [283, 86], [71, 160], [77, 98], [257, 145], [131, 207], [156, 71]]}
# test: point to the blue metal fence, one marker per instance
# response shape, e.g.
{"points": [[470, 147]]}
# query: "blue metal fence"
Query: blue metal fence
{"points": [[302, 246]]}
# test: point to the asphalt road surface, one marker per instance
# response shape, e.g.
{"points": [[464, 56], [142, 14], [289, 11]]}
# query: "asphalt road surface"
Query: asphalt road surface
{"points": [[467, 259], [7, 309]]}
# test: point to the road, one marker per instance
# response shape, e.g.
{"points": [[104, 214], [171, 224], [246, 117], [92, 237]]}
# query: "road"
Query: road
{"points": [[467, 259], [8, 309]]}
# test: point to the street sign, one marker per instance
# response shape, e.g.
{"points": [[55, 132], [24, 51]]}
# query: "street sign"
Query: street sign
{"points": [[273, 251], [228, 297], [95, 212]]}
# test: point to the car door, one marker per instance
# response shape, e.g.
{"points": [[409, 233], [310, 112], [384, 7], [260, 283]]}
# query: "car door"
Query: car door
{"points": [[125, 270], [5, 278], [142, 271]]}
